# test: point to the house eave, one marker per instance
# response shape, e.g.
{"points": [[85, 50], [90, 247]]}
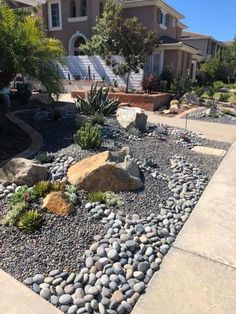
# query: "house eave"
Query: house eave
{"points": [[180, 46], [31, 2]]}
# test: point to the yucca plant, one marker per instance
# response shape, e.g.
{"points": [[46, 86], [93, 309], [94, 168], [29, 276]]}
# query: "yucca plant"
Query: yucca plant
{"points": [[88, 137], [29, 221], [97, 101], [45, 157]]}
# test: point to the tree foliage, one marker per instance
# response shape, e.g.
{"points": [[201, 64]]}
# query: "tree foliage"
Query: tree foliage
{"points": [[126, 37], [25, 49], [222, 66]]}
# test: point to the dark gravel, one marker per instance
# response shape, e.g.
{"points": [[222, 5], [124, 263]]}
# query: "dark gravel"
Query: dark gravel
{"points": [[62, 241]]}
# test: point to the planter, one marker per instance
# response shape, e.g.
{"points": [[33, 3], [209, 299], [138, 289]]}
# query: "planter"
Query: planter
{"points": [[149, 102]]}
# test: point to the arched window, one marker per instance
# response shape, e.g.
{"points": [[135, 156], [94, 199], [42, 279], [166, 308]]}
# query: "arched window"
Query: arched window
{"points": [[73, 8], [78, 42], [83, 7], [101, 8]]}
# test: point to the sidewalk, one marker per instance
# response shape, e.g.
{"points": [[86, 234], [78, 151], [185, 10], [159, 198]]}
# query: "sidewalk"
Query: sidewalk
{"points": [[198, 275], [213, 131], [16, 298]]}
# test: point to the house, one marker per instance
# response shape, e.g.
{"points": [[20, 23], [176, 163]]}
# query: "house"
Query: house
{"points": [[207, 45], [71, 21]]}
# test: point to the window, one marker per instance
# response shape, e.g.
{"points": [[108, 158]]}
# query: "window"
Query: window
{"points": [[162, 19], [73, 8], [54, 15], [83, 8]]}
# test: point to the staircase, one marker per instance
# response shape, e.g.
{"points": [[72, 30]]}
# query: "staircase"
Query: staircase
{"points": [[95, 68]]}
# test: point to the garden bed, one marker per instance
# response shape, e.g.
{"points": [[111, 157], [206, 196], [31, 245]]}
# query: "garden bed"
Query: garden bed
{"points": [[136, 236], [149, 102], [219, 117]]}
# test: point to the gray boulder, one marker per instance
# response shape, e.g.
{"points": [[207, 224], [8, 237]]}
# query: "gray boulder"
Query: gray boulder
{"points": [[132, 117], [22, 171]]}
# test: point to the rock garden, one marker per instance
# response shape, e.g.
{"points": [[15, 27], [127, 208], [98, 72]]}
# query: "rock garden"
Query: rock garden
{"points": [[87, 222]]}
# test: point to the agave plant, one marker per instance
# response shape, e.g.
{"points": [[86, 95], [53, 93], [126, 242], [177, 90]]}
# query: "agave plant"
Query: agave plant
{"points": [[97, 101]]}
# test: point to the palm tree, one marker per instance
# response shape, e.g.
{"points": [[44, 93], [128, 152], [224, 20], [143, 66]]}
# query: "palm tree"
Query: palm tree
{"points": [[25, 49]]}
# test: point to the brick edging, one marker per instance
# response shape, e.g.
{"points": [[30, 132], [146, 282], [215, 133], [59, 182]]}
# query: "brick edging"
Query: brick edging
{"points": [[36, 138], [183, 114]]}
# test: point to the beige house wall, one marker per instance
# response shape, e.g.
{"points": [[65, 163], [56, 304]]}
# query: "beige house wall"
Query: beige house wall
{"points": [[178, 61]]}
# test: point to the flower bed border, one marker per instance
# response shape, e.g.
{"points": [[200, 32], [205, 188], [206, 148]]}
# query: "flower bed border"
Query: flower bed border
{"points": [[149, 102]]}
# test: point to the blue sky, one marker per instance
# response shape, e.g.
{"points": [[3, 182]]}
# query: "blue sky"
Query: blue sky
{"points": [[211, 17]]}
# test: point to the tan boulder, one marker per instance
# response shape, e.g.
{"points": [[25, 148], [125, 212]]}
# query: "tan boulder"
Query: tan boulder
{"points": [[57, 203], [106, 172], [131, 117], [22, 172]]}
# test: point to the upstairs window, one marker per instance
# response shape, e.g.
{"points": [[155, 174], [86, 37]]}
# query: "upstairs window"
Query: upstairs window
{"points": [[83, 8], [162, 19], [73, 8], [55, 15]]}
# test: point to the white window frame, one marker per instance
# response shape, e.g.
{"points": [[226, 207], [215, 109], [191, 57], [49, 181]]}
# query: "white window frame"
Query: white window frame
{"points": [[163, 23], [51, 28]]}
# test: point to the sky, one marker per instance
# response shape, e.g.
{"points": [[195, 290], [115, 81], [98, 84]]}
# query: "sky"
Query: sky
{"points": [[216, 18]]}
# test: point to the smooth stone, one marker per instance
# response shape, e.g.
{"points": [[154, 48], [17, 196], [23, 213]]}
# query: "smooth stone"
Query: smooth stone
{"points": [[143, 267], [65, 299], [54, 300], [139, 287], [93, 290], [29, 281], [38, 278], [45, 293], [138, 275], [113, 254], [73, 309], [59, 290]]}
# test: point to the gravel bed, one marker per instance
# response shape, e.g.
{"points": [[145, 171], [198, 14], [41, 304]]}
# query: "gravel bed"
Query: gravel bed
{"points": [[103, 257], [225, 119]]}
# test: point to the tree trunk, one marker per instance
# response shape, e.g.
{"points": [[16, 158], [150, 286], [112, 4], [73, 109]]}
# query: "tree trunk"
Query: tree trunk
{"points": [[127, 83]]}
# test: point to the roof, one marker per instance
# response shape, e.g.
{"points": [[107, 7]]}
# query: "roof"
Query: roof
{"points": [[167, 40], [191, 35]]}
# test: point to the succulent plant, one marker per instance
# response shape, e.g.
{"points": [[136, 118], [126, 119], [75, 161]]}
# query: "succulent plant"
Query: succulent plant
{"points": [[97, 100], [29, 221], [45, 157], [70, 192], [13, 214], [42, 188], [113, 199], [88, 137]]}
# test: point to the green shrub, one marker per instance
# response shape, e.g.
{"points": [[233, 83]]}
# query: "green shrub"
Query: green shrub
{"points": [[97, 119], [181, 86], [97, 100], [13, 214], [218, 85], [210, 92], [224, 97], [113, 199], [42, 188], [97, 197], [199, 90], [88, 137], [229, 112], [29, 221], [45, 157]]}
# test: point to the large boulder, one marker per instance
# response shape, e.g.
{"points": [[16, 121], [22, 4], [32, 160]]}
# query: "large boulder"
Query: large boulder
{"points": [[190, 99], [132, 117], [57, 203], [22, 171], [106, 172]]}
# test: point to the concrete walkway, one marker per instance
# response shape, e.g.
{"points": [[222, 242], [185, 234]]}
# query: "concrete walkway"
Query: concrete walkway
{"points": [[16, 298], [213, 131], [198, 275]]}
